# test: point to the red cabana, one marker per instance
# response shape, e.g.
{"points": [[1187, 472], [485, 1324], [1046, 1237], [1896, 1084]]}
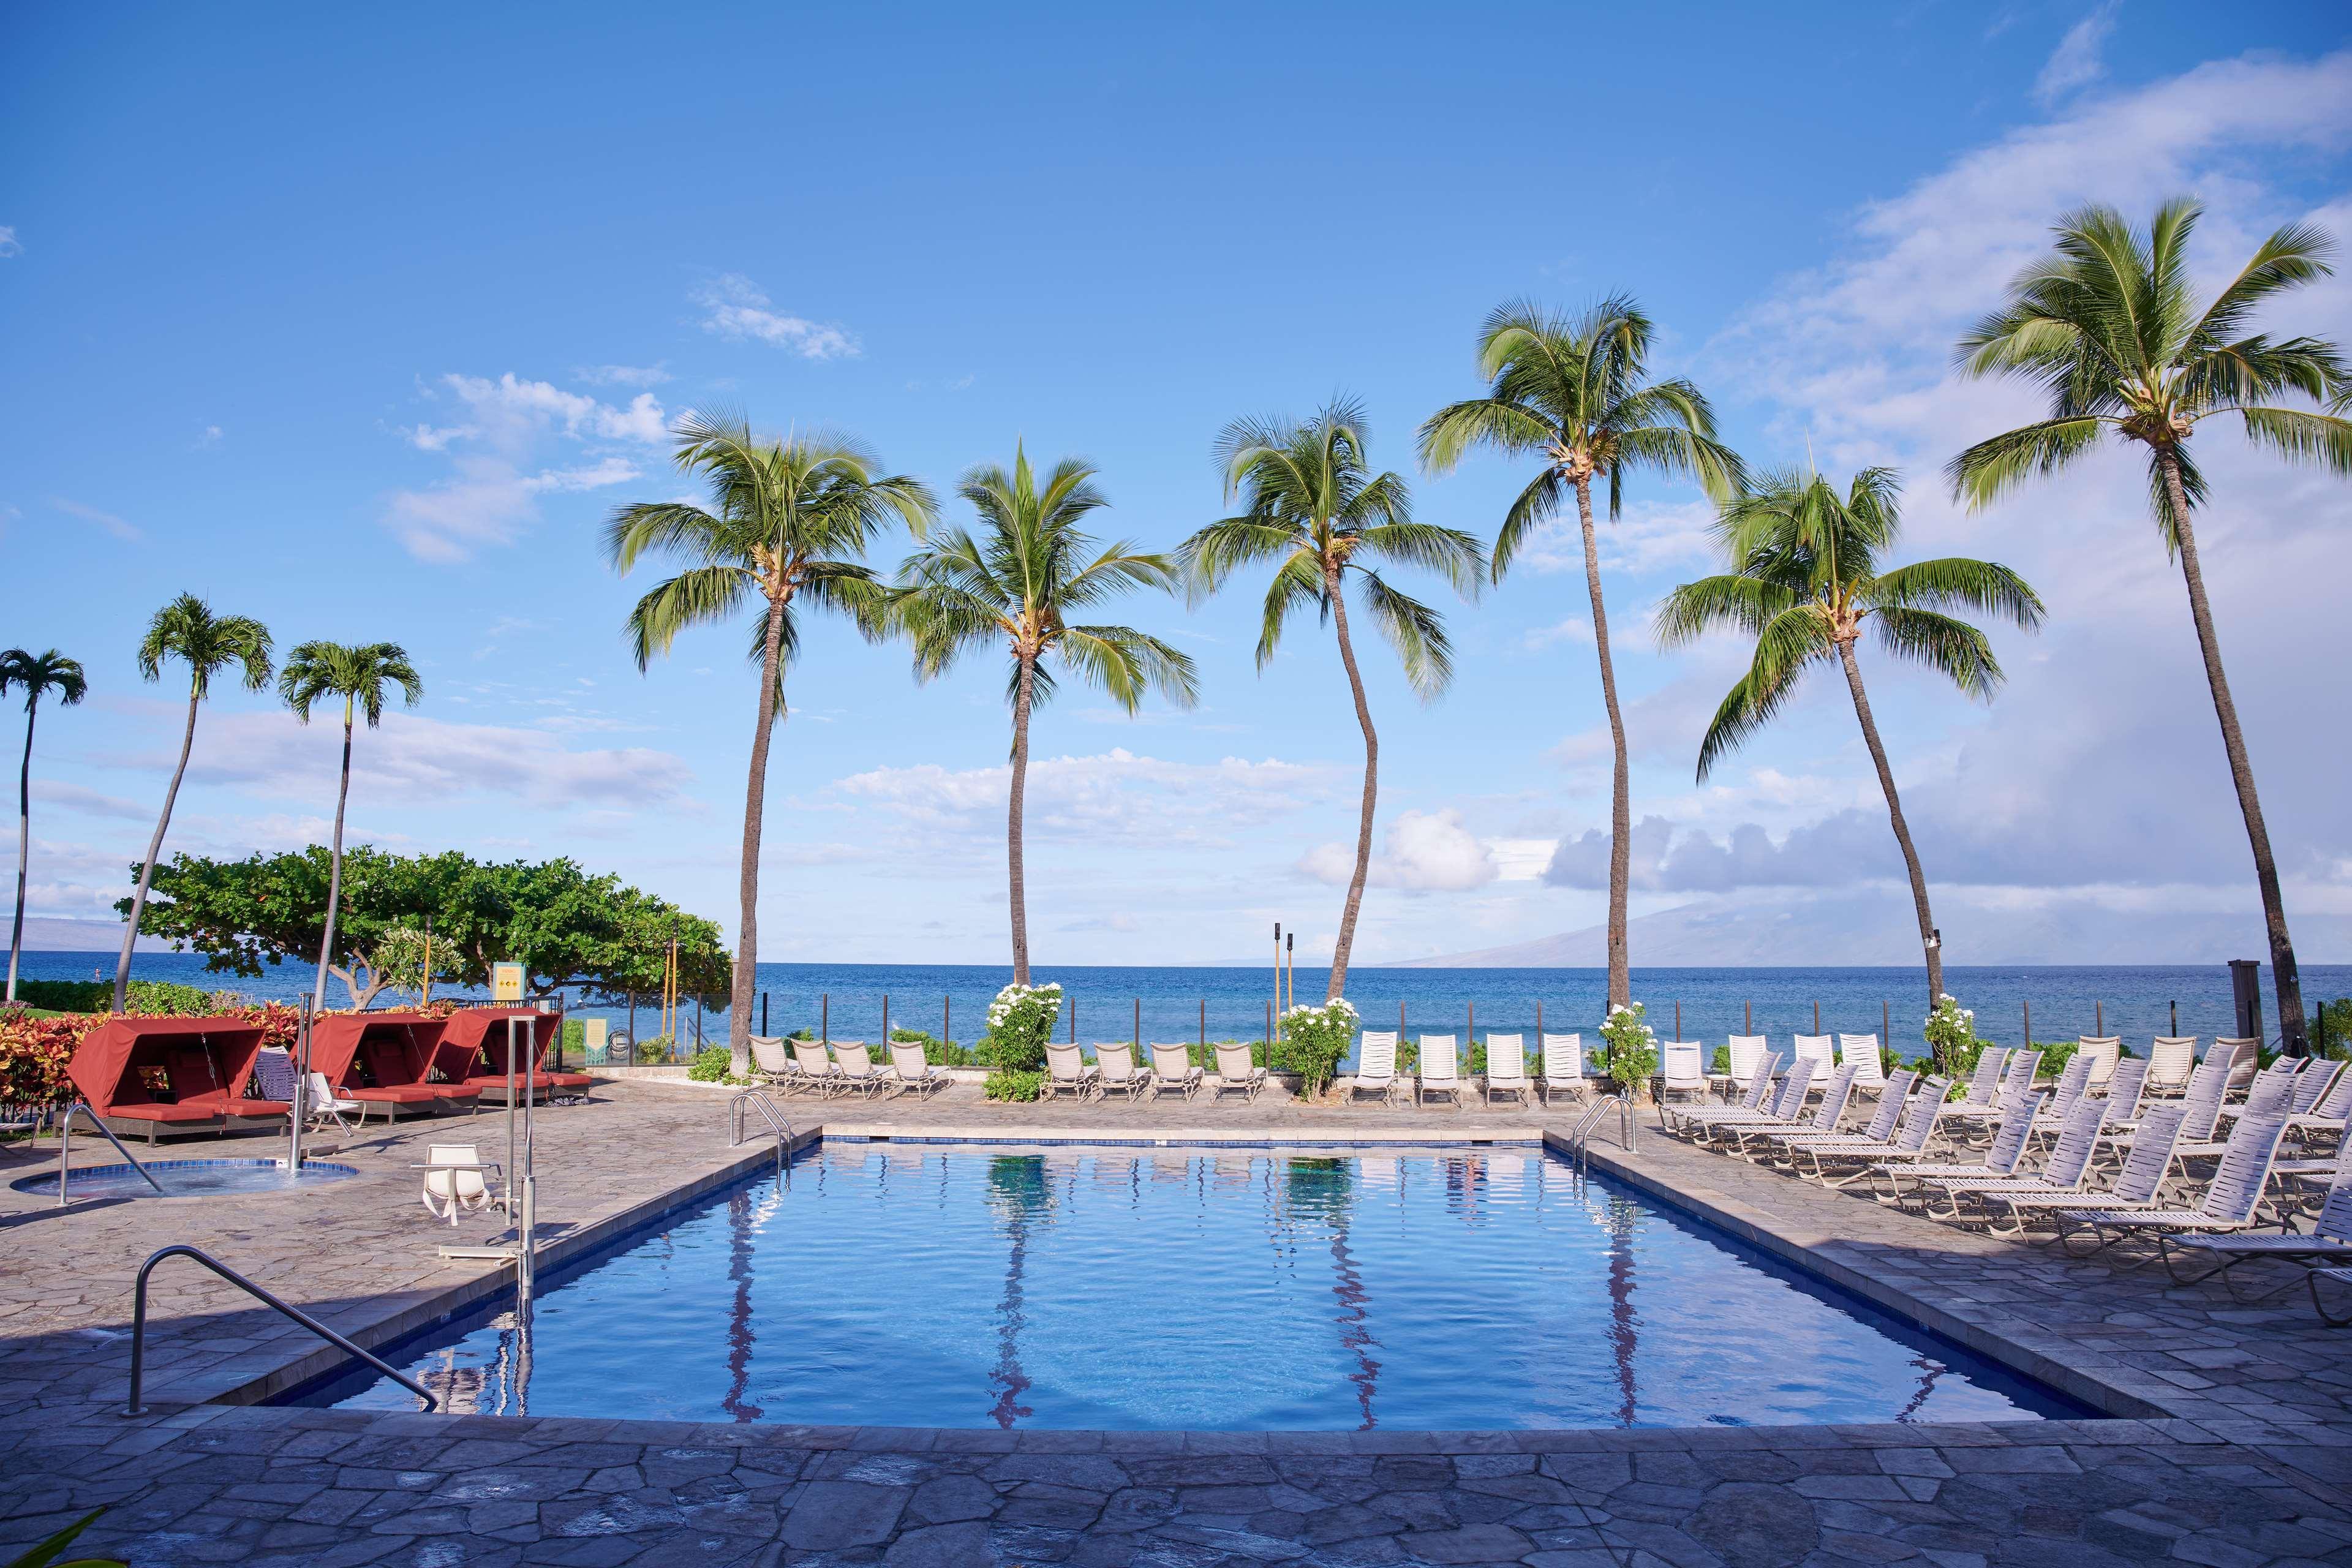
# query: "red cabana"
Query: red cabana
{"points": [[386, 1059], [171, 1078], [473, 1050]]}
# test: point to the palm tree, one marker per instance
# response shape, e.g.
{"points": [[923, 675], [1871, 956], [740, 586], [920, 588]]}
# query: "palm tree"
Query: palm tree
{"points": [[2108, 328], [1805, 579], [358, 676], [1311, 504], [787, 521], [186, 629], [38, 674], [1019, 583], [1576, 389]]}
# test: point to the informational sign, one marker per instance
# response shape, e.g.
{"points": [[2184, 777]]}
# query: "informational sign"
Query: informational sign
{"points": [[506, 982], [595, 1037]]}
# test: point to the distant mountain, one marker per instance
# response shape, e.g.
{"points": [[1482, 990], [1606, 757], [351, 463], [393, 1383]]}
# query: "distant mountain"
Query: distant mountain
{"points": [[1875, 926], [45, 934]]}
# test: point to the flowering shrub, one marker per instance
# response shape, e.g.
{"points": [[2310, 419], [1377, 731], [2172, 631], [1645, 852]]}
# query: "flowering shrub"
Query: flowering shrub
{"points": [[1317, 1038], [1019, 1022], [1951, 1035], [1015, 1084], [1629, 1048]]}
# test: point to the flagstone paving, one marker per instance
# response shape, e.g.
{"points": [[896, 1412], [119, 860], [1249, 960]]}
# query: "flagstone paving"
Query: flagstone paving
{"points": [[2236, 1451]]}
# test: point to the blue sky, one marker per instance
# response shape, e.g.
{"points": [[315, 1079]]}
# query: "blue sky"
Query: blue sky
{"points": [[359, 323]]}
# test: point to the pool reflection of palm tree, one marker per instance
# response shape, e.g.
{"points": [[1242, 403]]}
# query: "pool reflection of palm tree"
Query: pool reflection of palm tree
{"points": [[1018, 1191], [1326, 1190], [1621, 1334], [739, 1313]]}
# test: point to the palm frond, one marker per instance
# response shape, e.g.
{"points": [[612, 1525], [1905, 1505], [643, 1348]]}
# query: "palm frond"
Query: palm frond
{"points": [[1791, 641], [1956, 581], [2302, 435], [1953, 648], [1725, 602], [1126, 664], [701, 596], [1414, 630], [1985, 472]]}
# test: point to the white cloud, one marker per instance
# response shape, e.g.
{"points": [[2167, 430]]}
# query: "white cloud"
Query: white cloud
{"points": [[1653, 536], [1114, 796], [2076, 62], [83, 801], [1423, 851], [734, 307], [1574, 629], [495, 448], [105, 519], [8, 246], [621, 375], [209, 436]]}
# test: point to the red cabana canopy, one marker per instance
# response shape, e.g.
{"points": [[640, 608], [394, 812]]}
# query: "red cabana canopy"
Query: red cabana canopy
{"points": [[382, 1056], [474, 1046], [205, 1060]]}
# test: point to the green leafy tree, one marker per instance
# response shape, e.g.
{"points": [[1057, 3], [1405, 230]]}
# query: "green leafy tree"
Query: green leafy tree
{"points": [[2108, 327], [36, 676], [1576, 390], [1016, 585], [186, 629], [1312, 507], [1806, 580], [788, 522], [358, 675]]}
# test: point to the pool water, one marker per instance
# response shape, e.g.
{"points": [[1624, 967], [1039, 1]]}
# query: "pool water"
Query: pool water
{"points": [[1123, 1288], [186, 1179]]}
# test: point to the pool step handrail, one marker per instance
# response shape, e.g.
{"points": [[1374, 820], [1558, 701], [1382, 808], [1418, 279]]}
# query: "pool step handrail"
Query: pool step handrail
{"points": [[65, 1147], [139, 1326], [1580, 1137], [757, 1101]]}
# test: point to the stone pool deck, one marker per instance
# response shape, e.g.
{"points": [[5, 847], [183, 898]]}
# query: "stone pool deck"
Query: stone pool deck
{"points": [[2231, 1444]]}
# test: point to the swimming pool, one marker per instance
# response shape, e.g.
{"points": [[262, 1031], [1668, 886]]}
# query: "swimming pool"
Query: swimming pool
{"points": [[1135, 1288]]}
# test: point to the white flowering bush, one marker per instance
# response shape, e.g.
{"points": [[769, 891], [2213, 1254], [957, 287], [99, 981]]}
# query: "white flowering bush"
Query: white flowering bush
{"points": [[1628, 1047], [1316, 1038], [1019, 1022], [1951, 1035]]}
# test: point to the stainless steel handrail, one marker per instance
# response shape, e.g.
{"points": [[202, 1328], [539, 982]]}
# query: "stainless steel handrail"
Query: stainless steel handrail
{"points": [[1628, 1129], [783, 1129], [65, 1147], [139, 1326]]}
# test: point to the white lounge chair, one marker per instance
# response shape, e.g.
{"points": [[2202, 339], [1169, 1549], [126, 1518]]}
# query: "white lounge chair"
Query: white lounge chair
{"points": [[1880, 1129], [1853, 1159], [1067, 1071], [2104, 1051], [1868, 1061], [1742, 1053], [2139, 1186], [772, 1059], [2170, 1059], [859, 1073], [1506, 1068], [1235, 1071], [1819, 1049], [453, 1181], [1441, 1070], [2244, 1057], [1376, 1068], [1174, 1071], [1119, 1072], [1682, 1069], [2328, 1245], [1999, 1163], [1563, 1068], [2232, 1198], [1761, 1096], [323, 1103], [1780, 1107], [909, 1071], [2068, 1169], [816, 1069], [1824, 1119]]}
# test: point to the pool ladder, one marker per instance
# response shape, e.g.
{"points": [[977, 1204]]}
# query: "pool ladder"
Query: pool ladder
{"points": [[1628, 1127], [65, 1147], [783, 1129], [139, 1326]]}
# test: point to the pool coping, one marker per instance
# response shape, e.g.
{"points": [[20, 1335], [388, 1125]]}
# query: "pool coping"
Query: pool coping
{"points": [[1978, 1335]]}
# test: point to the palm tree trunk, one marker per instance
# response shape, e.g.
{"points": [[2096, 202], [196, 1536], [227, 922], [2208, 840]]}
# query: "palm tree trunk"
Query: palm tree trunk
{"points": [[1928, 941], [746, 978], [1621, 792], [1347, 942], [24, 839], [154, 848], [2284, 977], [334, 868], [1016, 878]]}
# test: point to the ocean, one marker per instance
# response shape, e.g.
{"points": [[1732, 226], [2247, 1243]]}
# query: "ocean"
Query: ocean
{"points": [[1177, 1003]]}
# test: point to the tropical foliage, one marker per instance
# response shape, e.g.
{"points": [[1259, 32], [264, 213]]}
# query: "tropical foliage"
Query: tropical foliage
{"points": [[787, 522], [1628, 1047], [1950, 1032], [2109, 328], [187, 630], [1314, 510], [1577, 391], [1020, 1023], [1806, 580], [1317, 1038], [1016, 585], [37, 675]]}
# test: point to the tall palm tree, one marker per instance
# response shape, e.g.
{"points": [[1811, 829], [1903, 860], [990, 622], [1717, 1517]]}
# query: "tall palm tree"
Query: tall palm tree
{"points": [[787, 522], [1018, 584], [1806, 578], [1311, 505], [37, 675], [1577, 390], [2108, 328], [186, 629], [357, 674]]}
